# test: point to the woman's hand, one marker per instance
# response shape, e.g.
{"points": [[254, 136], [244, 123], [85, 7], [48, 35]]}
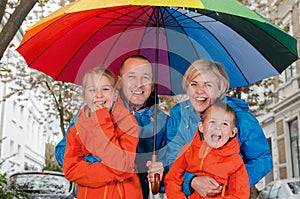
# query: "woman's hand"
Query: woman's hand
{"points": [[206, 186]]}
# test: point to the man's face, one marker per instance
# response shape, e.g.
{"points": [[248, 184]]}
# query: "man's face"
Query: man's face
{"points": [[136, 82]]}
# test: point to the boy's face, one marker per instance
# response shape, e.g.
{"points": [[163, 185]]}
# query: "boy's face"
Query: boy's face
{"points": [[217, 127], [98, 92], [136, 82]]}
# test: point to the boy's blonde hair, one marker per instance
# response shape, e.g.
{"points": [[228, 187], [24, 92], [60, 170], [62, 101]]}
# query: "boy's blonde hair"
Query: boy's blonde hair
{"points": [[223, 106], [199, 66]]}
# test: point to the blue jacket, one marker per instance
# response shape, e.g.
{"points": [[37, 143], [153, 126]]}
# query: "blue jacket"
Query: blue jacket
{"points": [[255, 151], [145, 118], [144, 151]]}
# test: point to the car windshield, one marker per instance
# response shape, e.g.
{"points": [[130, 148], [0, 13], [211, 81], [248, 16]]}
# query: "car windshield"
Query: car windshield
{"points": [[40, 183], [295, 187]]}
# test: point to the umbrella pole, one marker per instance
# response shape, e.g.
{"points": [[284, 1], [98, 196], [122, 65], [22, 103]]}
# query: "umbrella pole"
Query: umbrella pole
{"points": [[156, 184]]}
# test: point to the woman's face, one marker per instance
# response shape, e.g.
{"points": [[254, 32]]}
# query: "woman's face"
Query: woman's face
{"points": [[98, 92], [203, 90]]}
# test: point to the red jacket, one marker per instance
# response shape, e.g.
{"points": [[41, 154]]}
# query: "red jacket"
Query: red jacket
{"points": [[223, 164], [113, 138]]}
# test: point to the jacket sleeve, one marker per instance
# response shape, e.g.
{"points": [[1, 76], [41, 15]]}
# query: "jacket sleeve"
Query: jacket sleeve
{"points": [[175, 142], [255, 149], [61, 146], [174, 179], [114, 144], [238, 186], [60, 151], [85, 173]]}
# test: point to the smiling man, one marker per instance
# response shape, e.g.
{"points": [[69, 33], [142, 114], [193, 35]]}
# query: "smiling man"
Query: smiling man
{"points": [[136, 81], [136, 90]]}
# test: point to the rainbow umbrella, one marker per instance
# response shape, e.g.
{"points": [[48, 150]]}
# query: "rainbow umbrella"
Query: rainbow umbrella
{"points": [[171, 33]]}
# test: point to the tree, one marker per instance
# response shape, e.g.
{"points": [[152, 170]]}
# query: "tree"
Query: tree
{"points": [[14, 21], [61, 100], [20, 10]]}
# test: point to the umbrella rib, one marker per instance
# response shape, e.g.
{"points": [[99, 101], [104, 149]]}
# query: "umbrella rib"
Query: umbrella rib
{"points": [[131, 22], [139, 21], [228, 53], [93, 35], [183, 18], [182, 28], [193, 18], [132, 15]]}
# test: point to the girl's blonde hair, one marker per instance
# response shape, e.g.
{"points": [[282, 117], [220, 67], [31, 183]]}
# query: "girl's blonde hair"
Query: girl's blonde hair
{"points": [[99, 71], [199, 66]]}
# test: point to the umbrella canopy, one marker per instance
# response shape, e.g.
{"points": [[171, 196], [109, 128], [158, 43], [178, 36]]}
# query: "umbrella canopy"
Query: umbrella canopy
{"points": [[170, 33]]}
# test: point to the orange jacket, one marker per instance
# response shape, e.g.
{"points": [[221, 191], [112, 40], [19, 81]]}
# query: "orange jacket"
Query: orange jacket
{"points": [[223, 164], [111, 137]]}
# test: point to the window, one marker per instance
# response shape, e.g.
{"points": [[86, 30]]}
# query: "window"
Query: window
{"points": [[288, 73], [275, 190], [19, 151], [294, 144], [294, 186], [266, 192], [12, 146], [287, 27]]}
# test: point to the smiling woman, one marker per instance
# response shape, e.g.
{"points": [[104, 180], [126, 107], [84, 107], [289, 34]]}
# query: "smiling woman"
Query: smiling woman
{"points": [[206, 83]]}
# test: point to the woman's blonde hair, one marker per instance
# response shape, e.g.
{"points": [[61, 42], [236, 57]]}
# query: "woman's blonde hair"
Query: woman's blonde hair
{"points": [[99, 71], [199, 66]]}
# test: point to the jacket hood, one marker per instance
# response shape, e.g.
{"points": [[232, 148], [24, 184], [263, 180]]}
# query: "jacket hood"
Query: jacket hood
{"points": [[236, 104], [231, 147], [149, 103]]}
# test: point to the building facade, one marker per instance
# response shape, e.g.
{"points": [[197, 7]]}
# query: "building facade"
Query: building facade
{"points": [[281, 124], [22, 139]]}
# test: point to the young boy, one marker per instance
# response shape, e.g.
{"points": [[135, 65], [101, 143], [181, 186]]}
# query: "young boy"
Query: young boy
{"points": [[213, 152]]}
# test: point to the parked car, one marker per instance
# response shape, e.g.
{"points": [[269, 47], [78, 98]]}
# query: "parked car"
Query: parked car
{"points": [[42, 185], [281, 189]]}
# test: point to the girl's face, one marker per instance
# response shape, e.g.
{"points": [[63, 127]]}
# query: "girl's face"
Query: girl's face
{"points": [[217, 127], [98, 92], [203, 90]]}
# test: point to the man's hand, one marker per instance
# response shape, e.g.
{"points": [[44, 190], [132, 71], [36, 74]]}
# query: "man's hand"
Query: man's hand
{"points": [[154, 167], [206, 186]]}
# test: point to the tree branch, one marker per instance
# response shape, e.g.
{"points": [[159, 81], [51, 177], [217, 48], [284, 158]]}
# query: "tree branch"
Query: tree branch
{"points": [[2, 8], [14, 22]]}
